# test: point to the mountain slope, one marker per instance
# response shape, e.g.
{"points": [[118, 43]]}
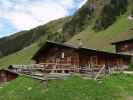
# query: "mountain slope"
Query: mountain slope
{"points": [[102, 40], [23, 39], [94, 14], [106, 24], [21, 57], [79, 26], [91, 39], [97, 15]]}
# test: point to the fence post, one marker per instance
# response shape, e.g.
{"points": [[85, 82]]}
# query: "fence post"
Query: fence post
{"points": [[45, 77]]}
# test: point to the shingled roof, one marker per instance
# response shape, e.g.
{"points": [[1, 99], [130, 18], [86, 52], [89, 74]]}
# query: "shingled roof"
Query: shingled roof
{"points": [[127, 39], [123, 41], [51, 43]]}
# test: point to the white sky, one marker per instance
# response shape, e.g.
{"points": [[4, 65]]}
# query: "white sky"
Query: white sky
{"points": [[26, 14]]}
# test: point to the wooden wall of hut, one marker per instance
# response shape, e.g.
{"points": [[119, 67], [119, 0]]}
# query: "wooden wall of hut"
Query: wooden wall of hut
{"points": [[99, 59], [60, 56]]}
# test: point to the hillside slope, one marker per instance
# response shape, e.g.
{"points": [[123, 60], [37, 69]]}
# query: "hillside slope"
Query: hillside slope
{"points": [[21, 57], [102, 40], [80, 26], [23, 39], [91, 39], [106, 23], [97, 15]]}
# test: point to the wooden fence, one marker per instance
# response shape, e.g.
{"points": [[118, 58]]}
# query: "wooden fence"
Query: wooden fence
{"points": [[36, 69]]}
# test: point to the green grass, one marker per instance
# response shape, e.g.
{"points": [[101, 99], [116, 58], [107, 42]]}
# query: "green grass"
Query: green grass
{"points": [[18, 90], [115, 87], [101, 40]]}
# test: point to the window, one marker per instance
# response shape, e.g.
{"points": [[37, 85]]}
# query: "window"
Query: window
{"points": [[124, 47], [62, 55], [69, 60]]}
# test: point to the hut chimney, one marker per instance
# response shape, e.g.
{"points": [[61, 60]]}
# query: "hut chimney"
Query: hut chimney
{"points": [[80, 43]]}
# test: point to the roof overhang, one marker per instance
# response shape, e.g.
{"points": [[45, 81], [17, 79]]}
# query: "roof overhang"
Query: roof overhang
{"points": [[122, 41], [50, 43]]}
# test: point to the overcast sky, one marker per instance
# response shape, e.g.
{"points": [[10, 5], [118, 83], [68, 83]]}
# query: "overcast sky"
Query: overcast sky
{"points": [[17, 15]]}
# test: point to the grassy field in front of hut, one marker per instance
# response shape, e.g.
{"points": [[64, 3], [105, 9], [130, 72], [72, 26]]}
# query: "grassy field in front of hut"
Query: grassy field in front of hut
{"points": [[115, 87]]}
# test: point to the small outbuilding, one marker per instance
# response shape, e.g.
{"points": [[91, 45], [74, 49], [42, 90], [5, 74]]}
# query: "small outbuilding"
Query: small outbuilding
{"points": [[6, 75], [124, 46]]}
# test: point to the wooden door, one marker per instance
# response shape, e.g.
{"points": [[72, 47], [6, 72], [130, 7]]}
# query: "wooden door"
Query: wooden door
{"points": [[119, 61], [93, 60]]}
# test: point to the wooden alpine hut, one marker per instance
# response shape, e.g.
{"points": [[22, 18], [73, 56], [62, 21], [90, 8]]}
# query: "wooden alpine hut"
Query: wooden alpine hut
{"points": [[58, 57]]}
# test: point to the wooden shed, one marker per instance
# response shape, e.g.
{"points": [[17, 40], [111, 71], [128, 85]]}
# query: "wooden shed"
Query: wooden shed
{"points": [[124, 46], [6, 75], [68, 58]]}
